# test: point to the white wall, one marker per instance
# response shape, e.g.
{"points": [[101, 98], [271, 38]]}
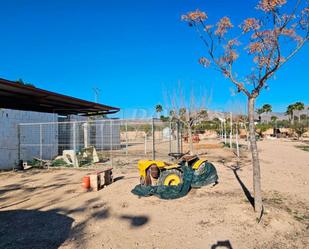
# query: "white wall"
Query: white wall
{"points": [[9, 120], [51, 135]]}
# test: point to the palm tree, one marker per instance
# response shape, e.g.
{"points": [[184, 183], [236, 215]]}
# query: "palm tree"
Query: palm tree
{"points": [[299, 106], [159, 108], [290, 111], [265, 109]]}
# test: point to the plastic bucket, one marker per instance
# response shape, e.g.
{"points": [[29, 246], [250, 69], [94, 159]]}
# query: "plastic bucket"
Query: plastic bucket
{"points": [[86, 182]]}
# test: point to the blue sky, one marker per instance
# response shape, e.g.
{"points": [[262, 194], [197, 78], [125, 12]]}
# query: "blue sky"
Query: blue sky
{"points": [[132, 50]]}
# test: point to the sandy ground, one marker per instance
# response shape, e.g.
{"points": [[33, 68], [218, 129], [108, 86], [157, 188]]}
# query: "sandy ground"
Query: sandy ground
{"points": [[49, 208]]}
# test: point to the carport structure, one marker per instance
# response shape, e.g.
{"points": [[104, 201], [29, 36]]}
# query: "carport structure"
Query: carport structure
{"points": [[18, 96]]}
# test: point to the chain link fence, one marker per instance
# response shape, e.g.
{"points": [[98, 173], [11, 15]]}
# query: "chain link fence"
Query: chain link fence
{"points": [[116, 141]]}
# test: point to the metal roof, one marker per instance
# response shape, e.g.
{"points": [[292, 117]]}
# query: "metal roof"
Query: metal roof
{"points": [[17, 96]]}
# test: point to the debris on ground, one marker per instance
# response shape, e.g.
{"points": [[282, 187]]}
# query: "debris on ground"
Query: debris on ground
{"points": [[69, 158]]}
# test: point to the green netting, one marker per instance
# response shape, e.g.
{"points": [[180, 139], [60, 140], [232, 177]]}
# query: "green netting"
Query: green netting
{"points": [[204, 176]]}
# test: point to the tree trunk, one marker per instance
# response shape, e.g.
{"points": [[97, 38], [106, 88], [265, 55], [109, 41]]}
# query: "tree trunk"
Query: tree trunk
{"points": [[190, 140], [258, 205]]}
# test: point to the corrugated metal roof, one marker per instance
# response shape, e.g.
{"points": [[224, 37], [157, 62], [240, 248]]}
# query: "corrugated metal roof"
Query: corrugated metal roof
{"points": [[14, 95]]}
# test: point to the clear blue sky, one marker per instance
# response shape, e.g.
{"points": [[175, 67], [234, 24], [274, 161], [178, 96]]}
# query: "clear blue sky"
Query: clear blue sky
{"points": [[130, 49]]}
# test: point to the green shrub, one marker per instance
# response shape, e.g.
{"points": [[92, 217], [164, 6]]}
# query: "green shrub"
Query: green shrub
{"points": [[60, 162], [299, 128]]}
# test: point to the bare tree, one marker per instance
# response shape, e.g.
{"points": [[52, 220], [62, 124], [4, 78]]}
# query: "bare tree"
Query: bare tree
{"points": [[271, 39], [188, 112]]}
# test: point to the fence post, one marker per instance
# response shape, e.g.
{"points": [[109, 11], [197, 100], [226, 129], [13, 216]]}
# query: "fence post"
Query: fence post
{"points": [[41, 143], [19, 146], [170, 138], [180, 137], [112, 126], [102, 135], [177, 134], [74, 136], [231, 130], [126, 125], [145, 144], [74, 143], [153, 140], [85, 126], [237, 142], [111, 141]]}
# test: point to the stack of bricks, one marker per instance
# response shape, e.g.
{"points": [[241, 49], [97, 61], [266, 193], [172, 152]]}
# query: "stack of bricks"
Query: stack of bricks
{"points": [[100, 179]]}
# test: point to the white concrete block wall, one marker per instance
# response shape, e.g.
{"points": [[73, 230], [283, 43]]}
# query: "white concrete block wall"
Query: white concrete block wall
{"points": [[30, 135], [9, 120]]}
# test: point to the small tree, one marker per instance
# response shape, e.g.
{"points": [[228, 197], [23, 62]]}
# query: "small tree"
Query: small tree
{"points": [[188, 113], [273, 119], [21, 82], [263, 37], [299, 128], [303, 117]]}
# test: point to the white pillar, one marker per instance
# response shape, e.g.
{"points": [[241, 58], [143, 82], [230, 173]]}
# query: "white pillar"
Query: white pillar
{"points": [[85, 126], [237, 142]]}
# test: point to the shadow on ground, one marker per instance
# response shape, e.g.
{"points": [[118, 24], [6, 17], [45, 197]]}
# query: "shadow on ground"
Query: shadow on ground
{"points": [[118, 178], [136, 221], [32, 229], [247, 193], [222, 244]]}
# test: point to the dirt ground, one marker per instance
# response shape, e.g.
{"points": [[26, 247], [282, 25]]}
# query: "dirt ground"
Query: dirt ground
{"points": [[49, 208]]}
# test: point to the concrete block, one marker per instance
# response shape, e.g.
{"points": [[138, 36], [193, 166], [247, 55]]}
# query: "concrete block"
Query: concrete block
{"points": [[95, 182]]}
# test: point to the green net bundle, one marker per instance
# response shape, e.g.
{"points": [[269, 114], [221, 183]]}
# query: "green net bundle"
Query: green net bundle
{"points": [[191, 179]]}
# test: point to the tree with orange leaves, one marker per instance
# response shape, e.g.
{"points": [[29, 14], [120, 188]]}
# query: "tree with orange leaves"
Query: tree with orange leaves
{"points": [[270, 40]]}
